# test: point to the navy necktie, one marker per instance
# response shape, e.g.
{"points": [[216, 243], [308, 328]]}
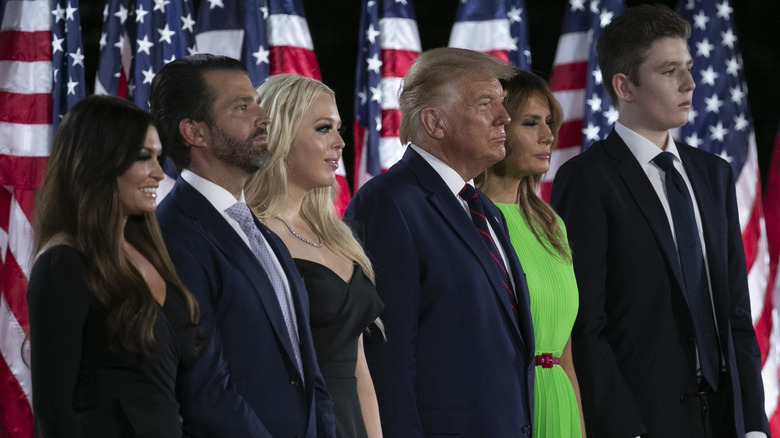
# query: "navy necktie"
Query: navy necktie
{"points": [[697, 293], [469, 194]]}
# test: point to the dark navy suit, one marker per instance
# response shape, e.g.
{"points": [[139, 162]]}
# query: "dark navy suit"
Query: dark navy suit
{"points": [[632, 341], [244, 382], [457, 361]]}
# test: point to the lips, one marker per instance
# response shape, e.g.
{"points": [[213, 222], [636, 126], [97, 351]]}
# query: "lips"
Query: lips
{"points": [[543, 156], [333, 162]]}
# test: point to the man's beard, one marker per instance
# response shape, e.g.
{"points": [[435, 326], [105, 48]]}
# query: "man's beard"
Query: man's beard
{"points": [[242, 154]]}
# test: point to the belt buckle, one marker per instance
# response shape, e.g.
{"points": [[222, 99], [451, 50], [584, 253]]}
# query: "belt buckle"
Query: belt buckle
{"points": [[545, 360]]}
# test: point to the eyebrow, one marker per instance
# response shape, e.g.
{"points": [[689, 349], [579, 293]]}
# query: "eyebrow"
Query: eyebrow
{"points": [[674, 64]]}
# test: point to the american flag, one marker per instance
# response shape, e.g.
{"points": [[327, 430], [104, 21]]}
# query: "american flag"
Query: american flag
{"points": [[139, 37], [41, 76], [270, 37], [497, 27], [719, 122], [772, 217], [388, 45], [576, 82]]}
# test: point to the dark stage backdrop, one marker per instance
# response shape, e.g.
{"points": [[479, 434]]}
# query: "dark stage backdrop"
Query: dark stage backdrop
{"points": [[334, 28]]}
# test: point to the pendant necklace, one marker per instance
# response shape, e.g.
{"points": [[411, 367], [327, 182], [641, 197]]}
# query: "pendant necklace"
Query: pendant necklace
{"points": [[298, 236]]}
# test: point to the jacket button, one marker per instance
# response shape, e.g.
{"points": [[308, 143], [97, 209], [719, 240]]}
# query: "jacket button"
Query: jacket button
{"points": [[527, 430], [295, 380]]}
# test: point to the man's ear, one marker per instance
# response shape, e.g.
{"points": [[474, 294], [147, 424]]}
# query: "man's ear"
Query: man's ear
{"points": [[432, 122], [193, 133], [624, 88]]}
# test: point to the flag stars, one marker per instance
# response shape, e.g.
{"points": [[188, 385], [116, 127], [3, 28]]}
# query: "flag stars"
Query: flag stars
{"points": [[376, 94], [103, 40], [159, 5], [692, 113], [121, 14], [708, 76], [378, 123], [605, 17], [515, 15], [597, 76], [403, 2], [725, 155], [737, 94], [70, 12], [718, 132], [216, 4], [732, 67], [59, 13], [148, 75], [724, 10], [611, 115], [511, 44], [740, 122], [165, 34], [591, 132], [187, 23], [594, 102], [694, 140], [144, 45], [363, 96], [261, 56], [372, 33], [78, 57], [166, 61], [72, 86], [594, 6], [120, 43], [264, 11], [374, 63], [704, 48], [713, 104], [728, 38], [56, 45], [140, 13], [577, 5], [700, 20]]}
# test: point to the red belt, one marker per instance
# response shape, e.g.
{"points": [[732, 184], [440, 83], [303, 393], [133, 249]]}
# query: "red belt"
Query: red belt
{"points": [[547, 360]]}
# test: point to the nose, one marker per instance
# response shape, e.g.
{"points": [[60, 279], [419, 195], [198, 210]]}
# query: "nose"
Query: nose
{"points": [[502, 117], [339, 143], [156, 172], [688, 83], [547, 136], [262, 120]]}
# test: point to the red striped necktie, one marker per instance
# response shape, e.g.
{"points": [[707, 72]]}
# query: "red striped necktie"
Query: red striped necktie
{"points": [[469, 194]]}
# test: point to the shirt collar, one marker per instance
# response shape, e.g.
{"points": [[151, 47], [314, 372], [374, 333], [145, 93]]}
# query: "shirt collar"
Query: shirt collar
{"points": [[451, 178], [643, 149], [218, 196]]}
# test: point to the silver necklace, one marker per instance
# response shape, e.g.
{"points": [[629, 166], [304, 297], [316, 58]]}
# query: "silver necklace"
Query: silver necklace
{"points": [[302, 239]]}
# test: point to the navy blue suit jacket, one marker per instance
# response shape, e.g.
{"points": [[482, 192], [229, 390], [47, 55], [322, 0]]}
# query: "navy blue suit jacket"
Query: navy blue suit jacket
{"points": [[632, 341], [244, 382], [457, 361]]}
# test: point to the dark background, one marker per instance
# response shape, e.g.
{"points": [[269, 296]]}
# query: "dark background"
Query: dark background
{"points": [[334, 27]]}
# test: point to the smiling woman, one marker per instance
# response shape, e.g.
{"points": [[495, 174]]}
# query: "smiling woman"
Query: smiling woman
{"points": [[110, 321]]}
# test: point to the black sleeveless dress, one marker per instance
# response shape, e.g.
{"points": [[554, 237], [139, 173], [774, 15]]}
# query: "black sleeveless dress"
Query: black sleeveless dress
{"points": [[340, 312]]}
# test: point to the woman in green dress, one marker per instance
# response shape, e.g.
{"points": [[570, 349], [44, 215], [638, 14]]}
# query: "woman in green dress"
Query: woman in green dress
{"points": [[539, 239]]}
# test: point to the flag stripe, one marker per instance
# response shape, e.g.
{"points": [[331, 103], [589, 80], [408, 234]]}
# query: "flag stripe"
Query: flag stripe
{"points": [[25, 108], [296, 60], [289, 30], [22, 140], [25, 46], [481, 36], [569, 76], [27, 77], [27, 15], [399, 34], [396, 62]]}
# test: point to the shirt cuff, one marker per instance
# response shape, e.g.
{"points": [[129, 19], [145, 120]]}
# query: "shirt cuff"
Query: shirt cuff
{"points": [[755, 435]]}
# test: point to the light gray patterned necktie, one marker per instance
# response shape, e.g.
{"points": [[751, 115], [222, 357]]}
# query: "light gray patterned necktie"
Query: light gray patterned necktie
{"points": [[241, 213]]}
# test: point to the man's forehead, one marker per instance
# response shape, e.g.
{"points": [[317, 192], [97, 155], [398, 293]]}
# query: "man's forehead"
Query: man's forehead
{"points": [[229, 84]]}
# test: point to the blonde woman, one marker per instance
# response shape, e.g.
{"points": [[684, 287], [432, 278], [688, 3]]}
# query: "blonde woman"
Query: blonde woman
{"points": [[293, 196]]}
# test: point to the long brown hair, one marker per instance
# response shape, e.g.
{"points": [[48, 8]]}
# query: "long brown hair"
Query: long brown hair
{"points": [[97, 141], [538, 215]]}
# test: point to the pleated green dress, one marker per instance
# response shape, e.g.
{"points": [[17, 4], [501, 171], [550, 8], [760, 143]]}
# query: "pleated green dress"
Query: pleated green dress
{"points": [[554, 302]]}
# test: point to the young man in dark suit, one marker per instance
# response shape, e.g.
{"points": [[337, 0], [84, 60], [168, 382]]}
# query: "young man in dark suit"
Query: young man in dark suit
{"points": [[663, 344], [256, 374], [459, 356]]}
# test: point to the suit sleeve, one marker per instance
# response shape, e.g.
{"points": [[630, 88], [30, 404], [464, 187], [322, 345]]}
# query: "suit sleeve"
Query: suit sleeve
{"points": [[748, 357], [391, 248], [58, 304], [210, 404], [608, 405]]}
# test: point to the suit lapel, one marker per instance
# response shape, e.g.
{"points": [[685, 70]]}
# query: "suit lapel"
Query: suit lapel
{"points": [[219, 232], [453, 213], [635, 180]]}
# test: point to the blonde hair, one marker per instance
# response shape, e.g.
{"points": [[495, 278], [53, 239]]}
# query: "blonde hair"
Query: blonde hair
{"points": [[538, 215], [286, 98]]}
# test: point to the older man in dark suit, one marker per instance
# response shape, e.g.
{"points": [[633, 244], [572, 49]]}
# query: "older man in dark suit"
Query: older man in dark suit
{"points": [[663, 344], [257, 374], [459, 354]]}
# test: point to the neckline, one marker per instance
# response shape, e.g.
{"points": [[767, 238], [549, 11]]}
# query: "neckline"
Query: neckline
{"points": [[355, 268]]}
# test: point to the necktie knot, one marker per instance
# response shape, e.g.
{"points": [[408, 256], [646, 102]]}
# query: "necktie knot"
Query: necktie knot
{"points": [[469, 194], [241, 213], [664, 160]]}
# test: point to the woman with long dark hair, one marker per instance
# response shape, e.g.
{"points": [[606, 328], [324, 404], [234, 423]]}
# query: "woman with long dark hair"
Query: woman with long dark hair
{"points": [[110, 321]]}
